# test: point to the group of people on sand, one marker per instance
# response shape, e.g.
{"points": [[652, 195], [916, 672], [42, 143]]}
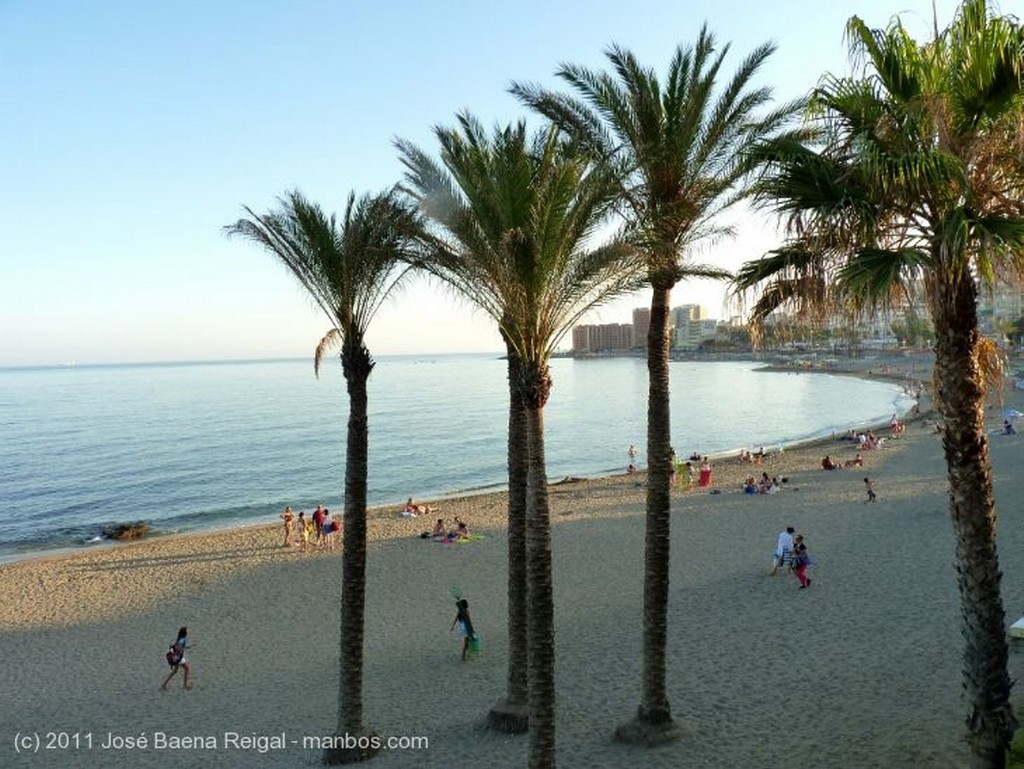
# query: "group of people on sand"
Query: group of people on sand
{"points": [[791, 553], [868, 440], [683, 475], [319, 530], [764, 485], [896, 425], [827, 463], [441, 532]]}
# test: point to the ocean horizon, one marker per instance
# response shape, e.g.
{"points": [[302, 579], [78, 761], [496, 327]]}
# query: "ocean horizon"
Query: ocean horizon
{"points": [[192, 445]]}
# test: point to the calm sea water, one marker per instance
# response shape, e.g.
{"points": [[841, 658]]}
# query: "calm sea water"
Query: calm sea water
{"points": [[210, 445]]}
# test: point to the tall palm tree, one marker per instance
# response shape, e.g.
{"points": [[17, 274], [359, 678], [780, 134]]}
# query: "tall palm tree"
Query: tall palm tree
{"points": [[679, 151], [514, 218], [348, 267], [430, 185], [914, 183]]}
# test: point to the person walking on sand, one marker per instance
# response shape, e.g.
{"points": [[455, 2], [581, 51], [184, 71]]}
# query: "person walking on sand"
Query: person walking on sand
{"points": [[801, 560], [869, 488], [176, 659], [783, 549], [287, 517], [464, 623]]}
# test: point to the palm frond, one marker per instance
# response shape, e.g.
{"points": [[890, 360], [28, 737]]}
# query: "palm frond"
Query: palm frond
{"points": [[330, 340], [678, 146], [512, 217], [348, 267], [878, 277]]}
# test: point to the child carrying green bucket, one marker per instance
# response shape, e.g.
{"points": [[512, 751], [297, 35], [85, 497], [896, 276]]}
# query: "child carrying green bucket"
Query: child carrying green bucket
{"points": [[464, 623]]}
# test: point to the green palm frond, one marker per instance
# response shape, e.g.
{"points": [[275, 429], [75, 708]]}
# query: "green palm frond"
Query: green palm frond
{"points": [[348, 267], [894, 56], [512, 220], [878, 277], [679, 146], [791, 263], [913, 167], [986, 77]]}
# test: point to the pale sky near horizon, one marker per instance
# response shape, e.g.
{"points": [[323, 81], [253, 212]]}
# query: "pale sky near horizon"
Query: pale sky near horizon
{"points": [[136, 130]]}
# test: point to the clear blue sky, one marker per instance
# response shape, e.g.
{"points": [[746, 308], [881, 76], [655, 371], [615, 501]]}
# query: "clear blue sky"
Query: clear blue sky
{"points": [[135, 130]]}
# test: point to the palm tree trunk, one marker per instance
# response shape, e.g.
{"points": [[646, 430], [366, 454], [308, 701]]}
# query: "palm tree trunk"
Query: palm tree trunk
{"points": [[540, 593], [512, 714], [355, 743], [653, 723], [960, 399]]}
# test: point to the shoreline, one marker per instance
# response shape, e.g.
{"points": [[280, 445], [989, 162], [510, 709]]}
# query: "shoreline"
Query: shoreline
{"points": [[823, 438], [573, 500]]}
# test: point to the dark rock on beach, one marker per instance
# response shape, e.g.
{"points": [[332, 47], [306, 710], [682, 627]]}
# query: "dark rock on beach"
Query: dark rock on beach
{"points": [[126, 530]]}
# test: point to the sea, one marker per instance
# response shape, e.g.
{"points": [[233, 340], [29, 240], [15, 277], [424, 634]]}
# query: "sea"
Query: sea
{"points": [[213, 445]]}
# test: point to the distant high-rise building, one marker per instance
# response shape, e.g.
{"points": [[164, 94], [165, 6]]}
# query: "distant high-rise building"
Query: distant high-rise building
{"points": [[606, 337], [641, 326], [690, 333], [687, 312]]}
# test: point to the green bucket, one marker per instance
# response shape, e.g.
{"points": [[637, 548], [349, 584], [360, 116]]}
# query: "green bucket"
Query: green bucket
{"points": [[474, 643]]}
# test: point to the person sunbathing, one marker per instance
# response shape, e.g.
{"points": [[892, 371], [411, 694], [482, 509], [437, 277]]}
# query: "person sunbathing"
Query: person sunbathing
{"points": [[828, 464], [857, 461], [412, 508]]}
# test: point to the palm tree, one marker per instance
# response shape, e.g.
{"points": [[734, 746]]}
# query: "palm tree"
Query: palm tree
{"points": [[348, 268], [514, 217], [678, 150], [914, 182], [431, 186]]}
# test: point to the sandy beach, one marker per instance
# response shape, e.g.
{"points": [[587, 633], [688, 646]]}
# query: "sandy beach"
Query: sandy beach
{"points": [[860, 670]]}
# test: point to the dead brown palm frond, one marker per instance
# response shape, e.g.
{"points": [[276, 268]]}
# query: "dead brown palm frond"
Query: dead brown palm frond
{"points": [[331, 340], [992, 362]]}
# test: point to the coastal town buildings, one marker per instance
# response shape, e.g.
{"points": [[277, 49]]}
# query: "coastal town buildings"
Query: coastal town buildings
{"points": [[602, 338], [641, 326], [690, 328], [907, 326]]}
